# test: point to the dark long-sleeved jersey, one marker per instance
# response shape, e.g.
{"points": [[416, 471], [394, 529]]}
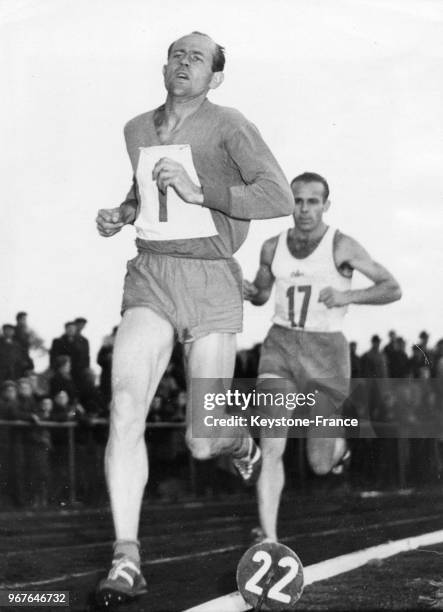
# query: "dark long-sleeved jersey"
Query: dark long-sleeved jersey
{"points": [[239, 177]]}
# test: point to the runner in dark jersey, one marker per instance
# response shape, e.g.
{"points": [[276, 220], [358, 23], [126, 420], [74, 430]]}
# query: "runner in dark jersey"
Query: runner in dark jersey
{"points": [[201, 173]]}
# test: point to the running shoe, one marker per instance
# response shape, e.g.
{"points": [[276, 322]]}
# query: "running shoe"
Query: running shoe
{"points": [[123, 583], [249, 465], [343, 464]]}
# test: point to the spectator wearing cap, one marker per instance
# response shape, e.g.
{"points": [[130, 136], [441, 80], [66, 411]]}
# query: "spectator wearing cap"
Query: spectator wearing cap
{"points": [[389, 350], [83, 361], [373, 362], [13, 360], [24, 335], [399, 361], [67, 345]]}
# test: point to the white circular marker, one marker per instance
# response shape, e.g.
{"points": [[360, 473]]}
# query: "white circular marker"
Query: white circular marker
{"points": [[270, 577]]}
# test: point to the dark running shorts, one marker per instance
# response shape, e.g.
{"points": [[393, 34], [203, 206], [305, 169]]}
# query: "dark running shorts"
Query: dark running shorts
{"points": [[197, 296], [311, 360]]}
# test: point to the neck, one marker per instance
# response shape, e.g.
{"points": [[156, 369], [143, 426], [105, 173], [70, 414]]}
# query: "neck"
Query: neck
{"points": [[311, 235], [178, 108]]}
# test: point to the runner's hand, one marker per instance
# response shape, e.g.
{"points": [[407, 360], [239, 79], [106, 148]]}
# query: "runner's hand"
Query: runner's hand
{"points": [[169, 173], [110, 220], [332, 298], [249, 290]]}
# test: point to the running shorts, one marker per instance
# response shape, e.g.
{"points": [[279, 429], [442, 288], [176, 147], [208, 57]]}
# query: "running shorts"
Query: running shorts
{"points": [[310, 360], [197, 296]]}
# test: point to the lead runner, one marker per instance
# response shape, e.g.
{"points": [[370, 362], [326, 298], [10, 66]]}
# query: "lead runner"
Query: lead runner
{"points": [[201, 173]]}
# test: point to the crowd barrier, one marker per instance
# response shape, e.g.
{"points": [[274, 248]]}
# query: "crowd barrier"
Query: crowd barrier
{"points": [[70, 427], [399, 446]]}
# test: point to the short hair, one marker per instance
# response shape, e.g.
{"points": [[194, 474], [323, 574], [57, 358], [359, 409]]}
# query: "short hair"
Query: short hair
{"points": [[81, 320], [69, 323], [8, 326], [218, 57], [313, 177], [20, 315], [375, 339]]}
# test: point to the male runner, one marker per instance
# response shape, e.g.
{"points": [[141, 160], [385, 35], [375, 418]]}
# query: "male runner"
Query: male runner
{"points": [[312, 266], [201, 173]]}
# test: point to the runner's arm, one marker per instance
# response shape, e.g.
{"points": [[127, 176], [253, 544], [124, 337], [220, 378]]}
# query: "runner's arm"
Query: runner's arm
{"points": [[384, 290], [265, 192], [259, 291]]}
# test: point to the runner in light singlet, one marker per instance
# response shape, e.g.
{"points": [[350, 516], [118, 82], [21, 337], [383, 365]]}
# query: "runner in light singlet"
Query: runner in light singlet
{"points": [[201, 173], [311, 265]]}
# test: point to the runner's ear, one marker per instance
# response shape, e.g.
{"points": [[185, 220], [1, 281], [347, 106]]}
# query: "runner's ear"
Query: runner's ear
{"points": [[216, 80]]}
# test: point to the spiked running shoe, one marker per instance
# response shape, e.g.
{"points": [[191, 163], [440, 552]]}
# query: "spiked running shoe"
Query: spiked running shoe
{"points": [[341, 467], [123, 583], [249, 465], [257, 536]]}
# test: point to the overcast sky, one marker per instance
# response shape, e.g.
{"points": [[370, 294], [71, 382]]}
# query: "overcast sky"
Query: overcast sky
{"points": [[350, 89]]}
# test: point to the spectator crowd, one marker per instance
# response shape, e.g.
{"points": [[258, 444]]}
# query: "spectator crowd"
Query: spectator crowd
{"points": [[36, 410]]}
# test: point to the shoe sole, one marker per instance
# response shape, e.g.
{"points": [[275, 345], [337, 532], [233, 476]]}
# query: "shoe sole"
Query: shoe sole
{"points": [[110, 597]]}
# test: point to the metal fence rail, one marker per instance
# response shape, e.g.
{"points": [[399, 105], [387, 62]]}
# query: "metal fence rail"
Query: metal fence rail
{"points": [[71, 426]]}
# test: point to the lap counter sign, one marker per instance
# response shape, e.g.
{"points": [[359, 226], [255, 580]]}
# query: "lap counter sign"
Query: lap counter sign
{"points": [[270, 577]]}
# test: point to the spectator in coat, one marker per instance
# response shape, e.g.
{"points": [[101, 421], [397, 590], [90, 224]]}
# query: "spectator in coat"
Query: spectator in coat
{"points": [[13, 360], [83, 361], [66, 345]]}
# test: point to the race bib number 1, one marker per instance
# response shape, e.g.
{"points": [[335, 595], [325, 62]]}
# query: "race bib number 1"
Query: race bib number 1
{"points": [[270, 577], [165, 216]]}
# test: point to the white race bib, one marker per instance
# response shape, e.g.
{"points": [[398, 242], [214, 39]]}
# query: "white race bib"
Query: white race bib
{"points": [[169, 217]]}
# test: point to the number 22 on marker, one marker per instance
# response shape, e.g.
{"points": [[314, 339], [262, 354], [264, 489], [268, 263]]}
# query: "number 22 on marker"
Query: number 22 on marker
{"points": [[275, 592]]}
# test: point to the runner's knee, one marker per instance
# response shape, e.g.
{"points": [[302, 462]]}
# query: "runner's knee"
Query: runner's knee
{"points": [[127, 415], [200, 447], [272, 452], [320, 460]]}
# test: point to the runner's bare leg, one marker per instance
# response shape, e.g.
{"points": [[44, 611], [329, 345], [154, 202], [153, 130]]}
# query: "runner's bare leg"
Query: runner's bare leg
{"points": [[142, 350]]}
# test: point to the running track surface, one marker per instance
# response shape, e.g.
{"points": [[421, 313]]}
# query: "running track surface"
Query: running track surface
{"points": [[190, 551]]}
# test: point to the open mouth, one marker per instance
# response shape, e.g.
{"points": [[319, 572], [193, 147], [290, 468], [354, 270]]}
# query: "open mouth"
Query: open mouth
{"points": [[182, 75]]}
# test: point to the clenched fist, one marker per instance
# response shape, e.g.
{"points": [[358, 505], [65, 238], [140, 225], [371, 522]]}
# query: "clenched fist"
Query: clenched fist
{"points": [[333, 298], [249, 290], [111, 220]]}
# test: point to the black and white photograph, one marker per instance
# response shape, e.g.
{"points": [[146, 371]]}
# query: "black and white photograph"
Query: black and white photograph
{"points": [[221, 335]]}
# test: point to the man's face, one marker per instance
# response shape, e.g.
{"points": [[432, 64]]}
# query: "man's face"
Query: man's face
{"points": [[61, 399], [188, 72], [309, 205], [46, 406], [71, 330], [8, 332], [10, 394], [24, 388]]}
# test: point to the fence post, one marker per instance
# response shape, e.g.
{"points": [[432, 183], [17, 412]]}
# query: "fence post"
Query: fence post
{"points": [[401, 457], [71, 465], [192, 474]]}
